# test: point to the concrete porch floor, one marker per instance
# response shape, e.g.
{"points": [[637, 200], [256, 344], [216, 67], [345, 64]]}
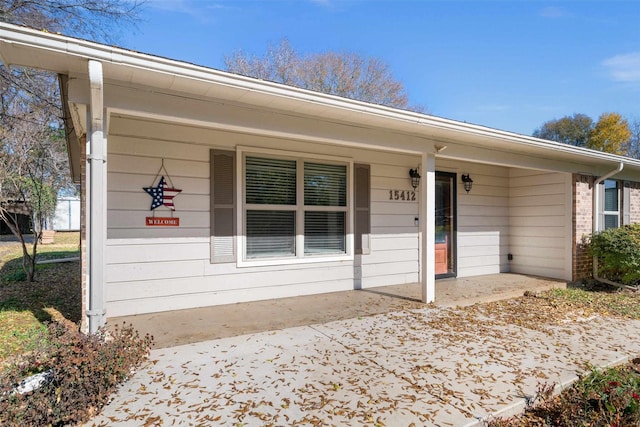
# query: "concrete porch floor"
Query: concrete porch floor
{"points": [[200, 324]]}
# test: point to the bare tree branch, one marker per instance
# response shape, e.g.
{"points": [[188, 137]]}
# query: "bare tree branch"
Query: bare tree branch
{"points": [[33, 160], [336, 73]]}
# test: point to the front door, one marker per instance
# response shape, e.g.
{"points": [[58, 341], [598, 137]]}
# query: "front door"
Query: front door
{"points": [[445, 250]]}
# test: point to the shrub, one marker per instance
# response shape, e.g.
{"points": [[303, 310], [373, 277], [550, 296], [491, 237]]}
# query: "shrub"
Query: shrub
{"points": [[83, 371], [618, 252], [609, 397]]}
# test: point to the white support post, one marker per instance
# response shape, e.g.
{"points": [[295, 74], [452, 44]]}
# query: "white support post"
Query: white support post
{"points": [[427, 227], [96, 200]]}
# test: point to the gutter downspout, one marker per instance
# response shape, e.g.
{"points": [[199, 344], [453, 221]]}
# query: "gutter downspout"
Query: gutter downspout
{"points": [[96, 226], [595, 222]]}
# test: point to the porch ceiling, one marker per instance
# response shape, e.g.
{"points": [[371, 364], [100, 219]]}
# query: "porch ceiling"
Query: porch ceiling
{"points": [[69, 56]]}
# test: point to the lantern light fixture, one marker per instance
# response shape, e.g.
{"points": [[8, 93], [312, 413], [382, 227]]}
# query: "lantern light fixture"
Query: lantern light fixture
{"points": [[415, 177], [467, 182]]}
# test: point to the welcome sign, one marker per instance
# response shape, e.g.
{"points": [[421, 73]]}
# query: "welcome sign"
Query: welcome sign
{"points": [[162, 194], [156, 221]]}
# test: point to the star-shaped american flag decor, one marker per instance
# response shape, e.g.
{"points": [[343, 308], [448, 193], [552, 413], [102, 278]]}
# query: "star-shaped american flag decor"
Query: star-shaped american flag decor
{"points": [[162, 195]]}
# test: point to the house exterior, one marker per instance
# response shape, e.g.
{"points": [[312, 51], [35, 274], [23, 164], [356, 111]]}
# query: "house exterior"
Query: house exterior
{"points": [[201, 187]]}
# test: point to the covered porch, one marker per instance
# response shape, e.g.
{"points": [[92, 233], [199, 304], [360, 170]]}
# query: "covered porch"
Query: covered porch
{"points": [[178, 327], [130, 115]]}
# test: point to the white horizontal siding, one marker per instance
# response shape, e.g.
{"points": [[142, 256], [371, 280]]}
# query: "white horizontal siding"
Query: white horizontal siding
{"points": [[477, 232], [479, 260], [536, 267], [231, 282], [533, 231], [161, 268], [538, 200], [403, 221], [540, 222], [398, 267], [553, 221], [531, 243], [179, 301], [536, 211], [488, 249], [191, 164], [134, 220], [166, 268], [135, 182], [146, 271], [394, 257], [153, 233], [390, 242], [483, 219], [140, 251], [390, 279], [131, 200], [394, 208]]}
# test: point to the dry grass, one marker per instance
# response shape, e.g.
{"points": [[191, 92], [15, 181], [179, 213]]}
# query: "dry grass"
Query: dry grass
{"points": [[557, 306], [24, 306]]}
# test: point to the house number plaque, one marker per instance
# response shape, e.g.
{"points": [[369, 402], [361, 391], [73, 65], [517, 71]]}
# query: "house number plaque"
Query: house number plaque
{"points": [[402, 195]]}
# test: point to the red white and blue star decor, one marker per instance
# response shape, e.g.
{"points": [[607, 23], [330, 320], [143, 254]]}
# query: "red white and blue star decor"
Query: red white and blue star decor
{"points": [[162, 194]]}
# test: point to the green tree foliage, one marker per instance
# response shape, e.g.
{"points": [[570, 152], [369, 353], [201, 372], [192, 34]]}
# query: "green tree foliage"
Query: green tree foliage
{"points": [[343, 74], [611, 134], [573, 130]]}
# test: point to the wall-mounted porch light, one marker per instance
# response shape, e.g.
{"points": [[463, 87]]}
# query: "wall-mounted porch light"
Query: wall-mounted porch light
{"points": [[415, 178], [467, 182]]}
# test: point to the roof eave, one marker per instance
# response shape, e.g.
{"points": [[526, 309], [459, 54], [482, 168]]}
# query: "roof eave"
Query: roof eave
{"points": [[66, 55]]}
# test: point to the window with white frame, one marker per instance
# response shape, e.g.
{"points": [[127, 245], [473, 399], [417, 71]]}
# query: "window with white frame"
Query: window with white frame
{"points": [[294, 208], [611, 199]]}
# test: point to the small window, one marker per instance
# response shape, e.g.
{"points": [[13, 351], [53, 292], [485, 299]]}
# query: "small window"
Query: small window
{"points": [[611, 211]]}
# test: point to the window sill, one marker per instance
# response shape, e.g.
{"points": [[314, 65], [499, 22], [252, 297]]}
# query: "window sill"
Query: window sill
{"points": [[293, 261]]}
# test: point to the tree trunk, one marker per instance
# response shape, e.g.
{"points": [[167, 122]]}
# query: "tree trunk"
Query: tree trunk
{"points": [[28, 260], [31, 273]]}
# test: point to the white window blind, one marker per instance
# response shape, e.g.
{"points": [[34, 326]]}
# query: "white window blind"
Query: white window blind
{"points": [[611, 204], [325, 185], [270, 181], [324, 233], [270, 233], [294, 201]]}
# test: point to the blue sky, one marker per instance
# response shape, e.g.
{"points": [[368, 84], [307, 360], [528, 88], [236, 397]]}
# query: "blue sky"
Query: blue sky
{"points": [[509, 65]]}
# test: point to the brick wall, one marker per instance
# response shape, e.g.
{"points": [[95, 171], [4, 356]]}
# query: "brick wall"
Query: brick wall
{"points": [[634, 202], [582, 217]]}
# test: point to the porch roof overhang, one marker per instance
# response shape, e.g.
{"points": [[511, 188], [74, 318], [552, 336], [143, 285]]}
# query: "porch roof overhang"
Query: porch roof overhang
{"points": [[69, 57]]}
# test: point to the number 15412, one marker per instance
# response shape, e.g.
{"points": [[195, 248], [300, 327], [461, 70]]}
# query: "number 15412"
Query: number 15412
{"points": [[406, 195]]}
